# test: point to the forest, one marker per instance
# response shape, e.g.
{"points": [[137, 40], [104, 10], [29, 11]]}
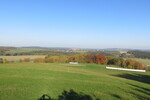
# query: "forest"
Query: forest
{"points": [[140, 54]]}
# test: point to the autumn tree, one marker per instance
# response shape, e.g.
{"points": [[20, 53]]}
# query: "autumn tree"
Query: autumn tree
{"points": [[48, 60], [81, 58], [26, 60], [129, 63], [138, 65], [55, 59], [90, 58], [38, 60], [71, 59], [5, 61], [132, 64], [63, 59], [100, 59]]}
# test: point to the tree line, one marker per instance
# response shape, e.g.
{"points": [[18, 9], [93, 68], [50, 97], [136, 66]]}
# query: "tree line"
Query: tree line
{"points": [[86, 58], [96, 59]]}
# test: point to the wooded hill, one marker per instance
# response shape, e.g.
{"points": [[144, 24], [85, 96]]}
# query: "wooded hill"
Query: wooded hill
{"points": [[140, 54]]}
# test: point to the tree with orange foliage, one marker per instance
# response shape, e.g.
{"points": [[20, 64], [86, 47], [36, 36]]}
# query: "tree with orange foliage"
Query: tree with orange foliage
{"points": [[90, 58], [71, 59], [138, 65], [134, 64], [26, 60], [100, 59], [38, 60]]}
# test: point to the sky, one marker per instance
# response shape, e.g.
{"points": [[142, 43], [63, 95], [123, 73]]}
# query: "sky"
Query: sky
{"points": [[75, 23]]}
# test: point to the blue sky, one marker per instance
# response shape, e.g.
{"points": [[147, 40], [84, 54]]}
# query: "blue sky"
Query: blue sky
{"points": [[75, 23]]}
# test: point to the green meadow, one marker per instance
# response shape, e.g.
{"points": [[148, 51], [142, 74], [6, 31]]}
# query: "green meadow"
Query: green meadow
{"points": [[16, 58], [29, 81], [143, 61]]}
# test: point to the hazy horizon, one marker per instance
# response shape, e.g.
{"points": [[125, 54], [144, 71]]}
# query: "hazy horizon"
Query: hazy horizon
{"points": [[73, 47], [75, 23]]}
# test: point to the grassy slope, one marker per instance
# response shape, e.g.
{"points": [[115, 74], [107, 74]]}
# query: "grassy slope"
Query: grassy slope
{"points": [[28, 81]]}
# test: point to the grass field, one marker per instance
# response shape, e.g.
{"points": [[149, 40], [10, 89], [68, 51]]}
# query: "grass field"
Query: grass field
{"points": [[144, 61], [15, 58], [29, 81], [21, 50]]}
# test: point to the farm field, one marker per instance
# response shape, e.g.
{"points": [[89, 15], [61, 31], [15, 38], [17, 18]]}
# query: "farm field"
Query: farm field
{"points": [[15, 58], [29, 81], [21, 50], [144, 61]]}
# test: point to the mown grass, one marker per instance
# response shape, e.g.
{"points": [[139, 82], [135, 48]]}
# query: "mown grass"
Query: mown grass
{"points": [[29, 81]]}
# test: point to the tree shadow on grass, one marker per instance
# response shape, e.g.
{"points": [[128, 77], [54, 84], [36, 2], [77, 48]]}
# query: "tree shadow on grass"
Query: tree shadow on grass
{"points": [[136, 91], [140, 87], [136, 77], [45, 97], [116, 96], [140, 97], [69, 95], [139, 90]]}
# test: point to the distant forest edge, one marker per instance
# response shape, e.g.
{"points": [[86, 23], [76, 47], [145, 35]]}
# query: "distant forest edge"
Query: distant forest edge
{"points": [[60, 55], [12, 51], [136, 54], [140, 54]]}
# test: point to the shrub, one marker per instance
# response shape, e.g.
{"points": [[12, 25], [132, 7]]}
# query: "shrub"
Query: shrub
{"points": [[5, 61], [20, 60], [38, 60], [26, 60], [1, 60], [134, 64]]}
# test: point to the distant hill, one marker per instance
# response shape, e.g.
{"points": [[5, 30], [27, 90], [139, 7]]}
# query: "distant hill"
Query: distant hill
{"points": [[140, 54], [37, 50], [38, 47]]}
